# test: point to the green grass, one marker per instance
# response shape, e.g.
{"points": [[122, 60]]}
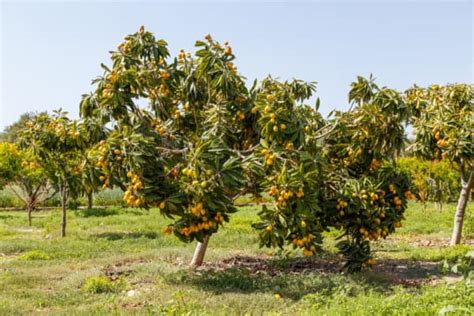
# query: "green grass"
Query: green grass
{"points": [[116, 261]]}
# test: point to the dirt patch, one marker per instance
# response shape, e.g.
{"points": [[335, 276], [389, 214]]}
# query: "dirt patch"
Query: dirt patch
{"points": [[438, 243], [425, 241], [121, 268], [180, 262], [397, 272], [410, 273], [271, 266], [133, 305], [113, 273], [130, 261]]}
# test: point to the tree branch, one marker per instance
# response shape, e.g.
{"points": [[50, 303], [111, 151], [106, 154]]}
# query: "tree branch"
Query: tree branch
{"points": [[327, 133]]}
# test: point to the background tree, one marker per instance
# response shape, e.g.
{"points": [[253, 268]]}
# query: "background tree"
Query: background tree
{"points": [[57, 142], [8, 163], [433, 180], [11, 133], [20, 170], [443, 118]]}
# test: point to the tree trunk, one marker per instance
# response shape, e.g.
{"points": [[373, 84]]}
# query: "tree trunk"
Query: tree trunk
{"points": [[90, 200], [29, 209], [466, 186], [63, 215], [200, 252], [31, 204]]}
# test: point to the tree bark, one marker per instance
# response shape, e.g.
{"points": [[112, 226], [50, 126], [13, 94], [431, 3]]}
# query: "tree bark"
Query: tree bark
{"points": [[199, 252], [63, 207], [466, 185], [29, 214], [90, 200], [31, 204]]}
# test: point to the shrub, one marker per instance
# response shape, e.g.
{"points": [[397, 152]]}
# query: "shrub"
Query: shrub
{"points": [[102, 284]]}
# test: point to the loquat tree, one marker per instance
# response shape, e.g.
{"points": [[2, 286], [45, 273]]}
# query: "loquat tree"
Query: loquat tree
{"points": [[10, 133], [20, 170], [181, 132], [371, 195], [335, 173], [57, 142], [9, 165], [443, 120]]}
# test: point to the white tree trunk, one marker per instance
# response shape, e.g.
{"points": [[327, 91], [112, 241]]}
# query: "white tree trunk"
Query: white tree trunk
{"points": [[466, 185], [199, 252]]}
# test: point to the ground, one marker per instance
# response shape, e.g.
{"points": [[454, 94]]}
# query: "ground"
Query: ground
{"points": [[117, 261]]}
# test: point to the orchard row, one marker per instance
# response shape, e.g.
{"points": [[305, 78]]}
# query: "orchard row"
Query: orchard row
{"points": [[189, 135]]}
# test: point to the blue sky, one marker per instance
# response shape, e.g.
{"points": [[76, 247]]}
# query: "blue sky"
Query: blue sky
{"points": [[50, 51]]}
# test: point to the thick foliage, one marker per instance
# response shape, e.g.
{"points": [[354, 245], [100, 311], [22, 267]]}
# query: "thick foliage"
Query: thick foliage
{"points": [[443, 117], [9, 163], [335, 174], [16, 164], [293, 166]]}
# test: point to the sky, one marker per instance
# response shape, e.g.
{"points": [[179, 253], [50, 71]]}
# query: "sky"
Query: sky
{"points": [[51, 50]]}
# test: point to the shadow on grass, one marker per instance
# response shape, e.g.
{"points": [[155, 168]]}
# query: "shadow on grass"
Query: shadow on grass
{"points": [[97, 212], [296, 277], [122, 235]]}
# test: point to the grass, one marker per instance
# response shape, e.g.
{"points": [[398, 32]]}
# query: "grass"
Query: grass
{"points": [[116, 261]]}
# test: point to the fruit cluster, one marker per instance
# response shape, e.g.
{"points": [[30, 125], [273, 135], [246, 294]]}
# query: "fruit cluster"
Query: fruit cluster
{"points": [[132, 196], [282, 197], [269, 157], [200, 221], [33, 165], [306, 243], [196, 228]]}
